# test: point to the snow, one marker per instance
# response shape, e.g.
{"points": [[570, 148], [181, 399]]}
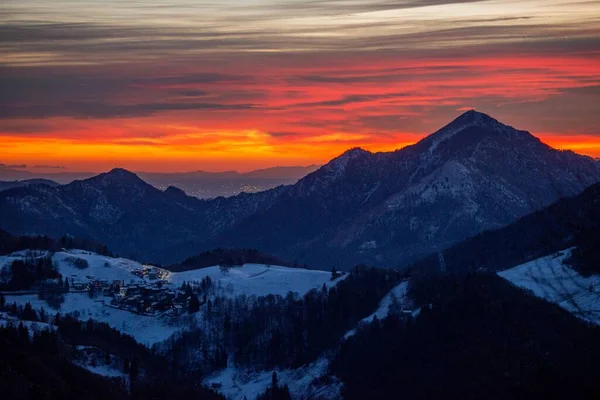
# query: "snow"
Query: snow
{"points": [[104, 370], [259, 279], [100, 267], [399, 292], [236, 383], [549, 278], [249, 279], [93, 359], [33, 326], [146, 329]]}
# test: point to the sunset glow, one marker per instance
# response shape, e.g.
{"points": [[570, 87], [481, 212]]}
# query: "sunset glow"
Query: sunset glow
{"points": [[178, 85]]}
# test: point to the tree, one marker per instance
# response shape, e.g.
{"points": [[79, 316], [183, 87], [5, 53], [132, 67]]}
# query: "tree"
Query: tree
{"points": [[67, 287], [224, 268], [23, 333], [43, 317], [274, 381], [28, 313], [334, 274], [133, 370], [2, 301], [194, 305]]}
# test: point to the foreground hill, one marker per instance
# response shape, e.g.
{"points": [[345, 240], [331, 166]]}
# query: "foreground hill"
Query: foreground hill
{"points": [[153, 324], [477, 336], [551, 278], [385, 209]]}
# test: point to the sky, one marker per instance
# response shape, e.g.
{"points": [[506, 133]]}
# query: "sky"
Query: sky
{"points": [[181, 85]]}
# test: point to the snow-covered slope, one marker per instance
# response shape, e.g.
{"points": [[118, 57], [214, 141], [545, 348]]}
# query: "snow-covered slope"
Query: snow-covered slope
{"points": [[237, 384], [397, 297], [100, 267], [249, 279], [549, 278], [258, 279], [146, 329]]}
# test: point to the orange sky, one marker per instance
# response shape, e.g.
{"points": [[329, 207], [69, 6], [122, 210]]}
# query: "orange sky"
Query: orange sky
{"points": [[180, 85]]}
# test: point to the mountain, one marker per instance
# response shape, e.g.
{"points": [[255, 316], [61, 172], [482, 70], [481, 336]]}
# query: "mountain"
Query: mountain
{"points": [[391, 208], [4, 185], [204, 184], [386, 209], [134, 218], [572, 221]]}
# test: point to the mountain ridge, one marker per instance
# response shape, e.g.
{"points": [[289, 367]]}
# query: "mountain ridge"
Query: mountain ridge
{"points": [[387, 208]]}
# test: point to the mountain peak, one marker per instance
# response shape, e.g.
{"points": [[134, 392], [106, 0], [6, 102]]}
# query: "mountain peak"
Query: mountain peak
{"points": [[353, 152], [120, 172], [485, 126], [473, 117], [175, 191], [118, 177]]}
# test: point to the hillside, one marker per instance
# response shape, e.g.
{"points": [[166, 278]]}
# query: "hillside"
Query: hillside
{"points": [[91, 295], [477, 336], [552, 279], [573, 221]]}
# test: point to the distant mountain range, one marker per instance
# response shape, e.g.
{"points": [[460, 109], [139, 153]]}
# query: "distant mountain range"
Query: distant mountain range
{"points": [[386, 209], [199, 184], [4, 185]]}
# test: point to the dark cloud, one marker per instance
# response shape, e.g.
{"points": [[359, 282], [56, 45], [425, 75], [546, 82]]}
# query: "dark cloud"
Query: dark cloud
{"points": [[191, 93], [12, 166], [49, 166], [102, 110], [351, 99], [281, 133]]}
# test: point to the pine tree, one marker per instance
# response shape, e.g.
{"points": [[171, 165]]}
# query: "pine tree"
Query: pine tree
{"points": [[43, 317], [67, 287], [133, 370], [274, 381], [194, 305]]}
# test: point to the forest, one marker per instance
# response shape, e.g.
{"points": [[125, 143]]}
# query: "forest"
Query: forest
{"points": [[477, 336], [275, 331]]}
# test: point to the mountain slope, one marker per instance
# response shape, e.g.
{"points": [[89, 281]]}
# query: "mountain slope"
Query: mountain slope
{"points": [[386, 209], [390, 208], [132, 217], [5, 185], [573, 221]]}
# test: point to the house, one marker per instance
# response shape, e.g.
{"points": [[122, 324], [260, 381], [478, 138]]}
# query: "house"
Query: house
{"points": [[79, 286], [178, 309]]}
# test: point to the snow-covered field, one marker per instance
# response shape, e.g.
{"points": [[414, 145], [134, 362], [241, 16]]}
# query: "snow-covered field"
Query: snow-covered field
{"points": [[549, 278], [146, 329], [259, 279], [237, 385], [250, 279], [100, 267]]}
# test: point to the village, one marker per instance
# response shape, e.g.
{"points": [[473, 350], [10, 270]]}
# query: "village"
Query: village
{"points": [[151, 295]]}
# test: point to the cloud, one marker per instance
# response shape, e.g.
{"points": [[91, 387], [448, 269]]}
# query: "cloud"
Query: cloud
{"points": [[103, 110], [49, 166], [12, 166]]}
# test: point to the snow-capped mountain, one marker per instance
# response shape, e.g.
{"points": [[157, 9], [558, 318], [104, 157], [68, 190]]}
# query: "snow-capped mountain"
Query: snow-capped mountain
{"points": [[385, 209], [390, 208]]}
